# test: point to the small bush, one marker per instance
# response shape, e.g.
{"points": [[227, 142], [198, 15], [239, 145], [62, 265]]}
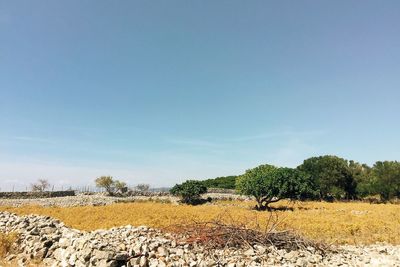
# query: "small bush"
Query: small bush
{"points": [[142, 187], [6, 243], [189, 191]]}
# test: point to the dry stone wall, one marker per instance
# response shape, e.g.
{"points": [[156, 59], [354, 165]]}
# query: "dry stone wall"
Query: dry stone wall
{"points": [[33, 195], [51, 243]]}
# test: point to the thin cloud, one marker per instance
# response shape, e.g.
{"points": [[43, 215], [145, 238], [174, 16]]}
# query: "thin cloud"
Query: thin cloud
{"points": [[245, 138], [33, 139], [194, 142], [274, 135]]}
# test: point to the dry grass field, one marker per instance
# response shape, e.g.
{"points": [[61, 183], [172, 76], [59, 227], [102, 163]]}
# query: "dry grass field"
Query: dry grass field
{"points": [[337, 223]]}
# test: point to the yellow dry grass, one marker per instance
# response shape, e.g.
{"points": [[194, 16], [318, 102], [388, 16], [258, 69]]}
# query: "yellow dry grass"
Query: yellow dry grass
{"points": [[6, 242], [339, 223]]}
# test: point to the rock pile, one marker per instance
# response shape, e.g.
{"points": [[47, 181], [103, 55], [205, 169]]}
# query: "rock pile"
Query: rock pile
{"points": [[53, 244]]}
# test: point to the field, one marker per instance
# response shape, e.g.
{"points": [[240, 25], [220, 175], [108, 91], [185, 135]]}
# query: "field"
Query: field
{"points": [[337, 223]]}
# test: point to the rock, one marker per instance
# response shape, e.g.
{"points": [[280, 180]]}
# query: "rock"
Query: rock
{"points": [[100, 255], [249, 252], [143, 262], [10, 257], [58, 245], [162, 251]]}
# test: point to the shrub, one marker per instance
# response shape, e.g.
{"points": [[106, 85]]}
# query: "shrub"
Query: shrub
{"points": [[6, 242], [189, 191], [142, 187]]}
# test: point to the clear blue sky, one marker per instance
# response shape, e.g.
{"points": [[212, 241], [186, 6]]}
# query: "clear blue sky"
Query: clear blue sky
{"points": [[162, 91]]}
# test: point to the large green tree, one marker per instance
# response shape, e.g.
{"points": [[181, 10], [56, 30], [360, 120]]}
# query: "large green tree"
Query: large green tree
{"points": [[386, 179], [362, 175], [268, 184], [332, 176]]}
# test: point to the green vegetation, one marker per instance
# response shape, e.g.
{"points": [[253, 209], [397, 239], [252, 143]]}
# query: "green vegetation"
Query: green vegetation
{"points": [[325, 177], [342, 179], [328, 177], [227, 182], [268, 184], [189, 191], [110, 185], [120, 187], [385, 179], [332, 175]]}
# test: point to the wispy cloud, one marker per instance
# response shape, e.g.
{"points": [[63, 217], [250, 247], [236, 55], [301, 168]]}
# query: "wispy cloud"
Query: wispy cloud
{"points": [[194, 142], [33, 139], [274, 135], [220, 142]]}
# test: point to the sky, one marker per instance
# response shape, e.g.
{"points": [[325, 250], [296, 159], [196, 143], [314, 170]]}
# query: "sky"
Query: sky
{"points": [[163, 91]]}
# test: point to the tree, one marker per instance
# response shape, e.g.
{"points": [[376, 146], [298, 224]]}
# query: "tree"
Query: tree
{"points": [[295, 184], [332, 176], [106, 182], [227, 182], [189, 191], [268, 184], [120, 186], [40, 186], [386, 179], [363, 178], [142, 187]]}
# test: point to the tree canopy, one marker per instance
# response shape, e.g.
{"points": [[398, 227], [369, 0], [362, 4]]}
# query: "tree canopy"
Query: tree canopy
{"points": [[268, 184], [332, 176], [386, 179], [189, 191]]}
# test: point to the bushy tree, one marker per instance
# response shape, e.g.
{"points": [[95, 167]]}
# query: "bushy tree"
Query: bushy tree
{"points": [[189, 191], [295, 184], [106, 182], [362, 175], [268, 184], [332, 176], [120, 186], [386, 179], [142, 187], [40, 186]]}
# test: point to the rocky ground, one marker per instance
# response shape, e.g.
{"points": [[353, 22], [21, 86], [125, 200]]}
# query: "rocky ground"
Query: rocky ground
{"points": [[50, 242]]}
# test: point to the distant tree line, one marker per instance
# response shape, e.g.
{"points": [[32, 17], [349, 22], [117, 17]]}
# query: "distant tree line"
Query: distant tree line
{"points": [[325, 177], [227, 182]]}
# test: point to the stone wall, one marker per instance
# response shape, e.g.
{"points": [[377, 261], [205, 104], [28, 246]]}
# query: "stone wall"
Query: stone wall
{"points": [[47, 194]]}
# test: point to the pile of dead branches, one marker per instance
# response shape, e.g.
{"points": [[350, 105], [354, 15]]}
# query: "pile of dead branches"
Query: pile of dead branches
{"points": [[219, 234]]}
